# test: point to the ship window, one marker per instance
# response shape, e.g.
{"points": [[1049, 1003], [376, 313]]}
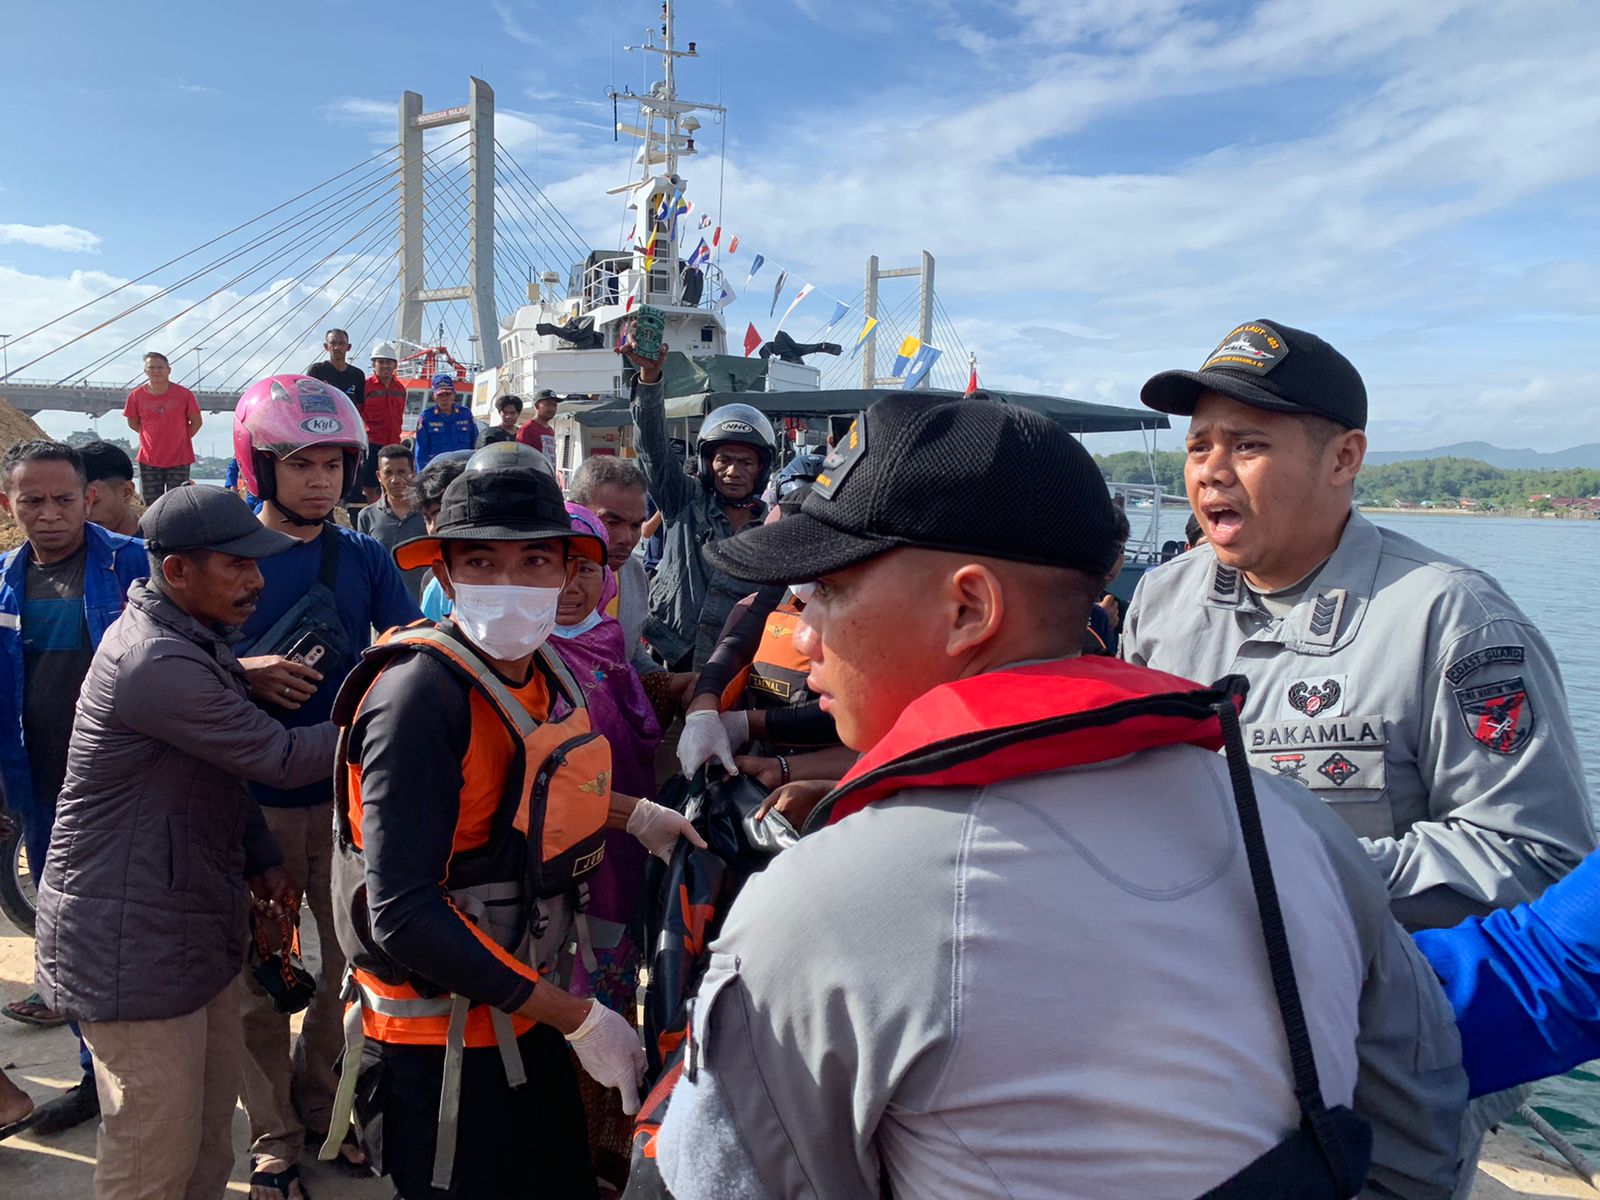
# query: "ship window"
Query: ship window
{"points": [[707, 333]]}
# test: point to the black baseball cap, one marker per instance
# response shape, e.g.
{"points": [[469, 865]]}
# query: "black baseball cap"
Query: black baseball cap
{"points": [[1270, 366], [200, 517], [512, 505], [969, 476]]}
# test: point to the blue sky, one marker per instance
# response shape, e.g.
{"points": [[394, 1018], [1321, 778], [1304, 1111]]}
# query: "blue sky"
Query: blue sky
{"points": [[1108, 185]]}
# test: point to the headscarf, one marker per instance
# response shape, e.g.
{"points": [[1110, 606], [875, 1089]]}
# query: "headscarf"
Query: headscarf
{"points": [[599, 658]]}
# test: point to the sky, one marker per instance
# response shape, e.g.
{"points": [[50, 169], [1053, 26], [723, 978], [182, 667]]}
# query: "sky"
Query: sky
{"points": [[1108, 186]]}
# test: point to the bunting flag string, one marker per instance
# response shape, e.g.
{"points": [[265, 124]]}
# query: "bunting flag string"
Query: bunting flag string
{"points": [[716, 234], [908, 351], [861, 337], [972, 380], [705, 221], [754, 267], [733, 245], [752, 340], [726, 297], [794, 304], [840, 308], [921, 363], [777, 289], [701, 255]]}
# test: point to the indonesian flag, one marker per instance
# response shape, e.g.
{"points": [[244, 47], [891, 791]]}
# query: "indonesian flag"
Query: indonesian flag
{"points": [[752, 340], [972, 381]]}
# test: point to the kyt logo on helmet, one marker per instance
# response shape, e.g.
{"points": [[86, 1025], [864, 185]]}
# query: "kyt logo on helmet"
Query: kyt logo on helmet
{"points": [[282, 415]]}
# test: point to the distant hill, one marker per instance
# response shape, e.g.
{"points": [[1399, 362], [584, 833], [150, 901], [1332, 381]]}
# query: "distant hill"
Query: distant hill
{"points": [[1587, 455]]}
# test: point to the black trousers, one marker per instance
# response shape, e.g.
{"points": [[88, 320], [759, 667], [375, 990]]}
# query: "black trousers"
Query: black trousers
{"points": [[526, 1143]]}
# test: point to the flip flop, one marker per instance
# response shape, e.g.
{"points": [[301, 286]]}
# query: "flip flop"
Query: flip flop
{"points": [[15, 1127], [280, 1180], [53, 1021]]}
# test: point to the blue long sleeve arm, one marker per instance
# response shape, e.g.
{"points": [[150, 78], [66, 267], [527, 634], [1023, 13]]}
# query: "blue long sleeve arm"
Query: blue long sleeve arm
{"points": [[1525, 983]]}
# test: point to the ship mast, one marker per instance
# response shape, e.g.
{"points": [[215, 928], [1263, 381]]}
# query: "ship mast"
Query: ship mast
{"points": [[666, 131]]}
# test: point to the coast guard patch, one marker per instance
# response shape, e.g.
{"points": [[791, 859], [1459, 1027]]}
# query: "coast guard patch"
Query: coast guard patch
{"points": [[1317, 696], [1256, 347], [842, 459], [1499, 715]]}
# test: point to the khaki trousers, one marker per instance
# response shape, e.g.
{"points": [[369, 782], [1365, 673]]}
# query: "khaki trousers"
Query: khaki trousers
{"points": [[277, 1078], [167, 1095]]}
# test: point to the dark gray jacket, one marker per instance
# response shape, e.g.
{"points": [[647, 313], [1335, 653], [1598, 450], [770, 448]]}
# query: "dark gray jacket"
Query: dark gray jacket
{"points": [[689, 601], [143, 901]]}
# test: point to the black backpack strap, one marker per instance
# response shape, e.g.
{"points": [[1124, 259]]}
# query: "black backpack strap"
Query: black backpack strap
{"points": [[328, 565], [1331, 1130]]}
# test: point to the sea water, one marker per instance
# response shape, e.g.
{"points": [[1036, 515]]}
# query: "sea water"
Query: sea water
{"points": [[1551, 568]]}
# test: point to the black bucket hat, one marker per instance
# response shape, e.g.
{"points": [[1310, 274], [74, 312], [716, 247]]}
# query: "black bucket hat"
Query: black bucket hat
{"points": [[1268, 366], [499, 506]]}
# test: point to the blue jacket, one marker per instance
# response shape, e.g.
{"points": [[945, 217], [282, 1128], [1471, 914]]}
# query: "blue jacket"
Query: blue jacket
{"points": [[1525, 983], [439, 434], [115, 561]]}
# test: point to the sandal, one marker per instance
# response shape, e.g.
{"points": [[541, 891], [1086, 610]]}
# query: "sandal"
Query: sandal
{"points": [[42, 1018], [280, 1181]]}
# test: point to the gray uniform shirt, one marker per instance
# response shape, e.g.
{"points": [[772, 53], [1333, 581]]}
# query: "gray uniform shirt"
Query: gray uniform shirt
{"points": [[1054, 986], [1408, 691]]}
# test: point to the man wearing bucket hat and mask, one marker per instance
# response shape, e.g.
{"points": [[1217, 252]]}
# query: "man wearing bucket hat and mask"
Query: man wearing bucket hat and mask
{"points": [[473, 800], [1403, 687], [1020, 951]]}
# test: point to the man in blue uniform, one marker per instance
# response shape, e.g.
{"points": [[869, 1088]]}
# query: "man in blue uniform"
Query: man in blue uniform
{"points": [[443, 426]]}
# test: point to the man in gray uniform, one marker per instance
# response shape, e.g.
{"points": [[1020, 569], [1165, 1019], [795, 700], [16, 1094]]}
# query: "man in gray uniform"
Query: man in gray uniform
{"points": [[1024, 959], [1401, 686]]}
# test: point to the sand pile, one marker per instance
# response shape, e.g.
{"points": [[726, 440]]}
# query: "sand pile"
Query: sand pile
{"points": [[14, 427]]}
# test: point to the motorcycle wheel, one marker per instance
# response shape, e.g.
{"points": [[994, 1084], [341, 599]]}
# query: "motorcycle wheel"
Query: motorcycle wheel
{"points": [[18, 897]]}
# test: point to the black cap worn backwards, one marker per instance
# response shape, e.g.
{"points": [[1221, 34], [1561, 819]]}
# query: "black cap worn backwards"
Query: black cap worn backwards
{"points": [[969, 476], [1271, 366], [512, 505], [199, 517]]}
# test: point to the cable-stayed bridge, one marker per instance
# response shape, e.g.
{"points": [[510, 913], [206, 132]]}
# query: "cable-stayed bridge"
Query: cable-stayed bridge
{"points": [[429, 240]]}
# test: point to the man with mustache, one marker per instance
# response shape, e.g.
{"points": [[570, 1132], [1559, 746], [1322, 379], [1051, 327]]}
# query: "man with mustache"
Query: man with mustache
{"points": [[144, 894]]}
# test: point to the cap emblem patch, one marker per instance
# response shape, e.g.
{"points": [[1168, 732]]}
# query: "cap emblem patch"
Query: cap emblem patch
{"points": [[842, 459], [1256, 347]]}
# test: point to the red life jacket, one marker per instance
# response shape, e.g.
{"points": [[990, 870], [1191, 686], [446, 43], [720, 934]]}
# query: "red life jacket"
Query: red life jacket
{"points": [[1025, 721]]}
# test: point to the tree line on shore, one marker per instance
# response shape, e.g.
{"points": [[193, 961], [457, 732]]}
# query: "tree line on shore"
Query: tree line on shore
{"points": [[1440, 481]]}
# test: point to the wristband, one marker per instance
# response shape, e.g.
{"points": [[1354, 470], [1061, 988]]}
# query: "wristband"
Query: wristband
{"points": [[783, 770]]}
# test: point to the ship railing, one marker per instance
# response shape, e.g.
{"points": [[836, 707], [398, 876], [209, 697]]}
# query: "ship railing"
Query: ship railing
{"points": [[1143, 503], [603, 283]]}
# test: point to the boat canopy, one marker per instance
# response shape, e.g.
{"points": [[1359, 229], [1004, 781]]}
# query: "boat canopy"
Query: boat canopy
{"points": [[1079, 416]]}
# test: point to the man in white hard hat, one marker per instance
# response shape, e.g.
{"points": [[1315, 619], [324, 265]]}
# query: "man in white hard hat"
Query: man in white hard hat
{"points": [[383, 412]]}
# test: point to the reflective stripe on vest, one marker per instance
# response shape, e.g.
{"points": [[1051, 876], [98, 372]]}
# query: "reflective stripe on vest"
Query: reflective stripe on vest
{"points": [[778, 673]]}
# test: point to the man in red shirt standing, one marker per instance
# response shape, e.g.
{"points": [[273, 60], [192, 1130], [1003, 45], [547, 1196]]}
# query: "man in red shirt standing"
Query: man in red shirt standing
{"points": [[383, 413], [538, 432], [166, 418]]}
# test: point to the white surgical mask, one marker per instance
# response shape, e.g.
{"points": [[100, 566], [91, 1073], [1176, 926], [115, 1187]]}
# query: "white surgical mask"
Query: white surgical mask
{"points": [[581, 628], [506, 621]]}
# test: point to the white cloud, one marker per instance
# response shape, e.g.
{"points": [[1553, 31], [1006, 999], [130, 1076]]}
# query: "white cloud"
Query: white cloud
{"points": [[51, 237]]}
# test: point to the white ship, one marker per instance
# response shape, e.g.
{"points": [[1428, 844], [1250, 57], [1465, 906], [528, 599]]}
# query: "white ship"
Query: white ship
{"points": [[564, 339]]}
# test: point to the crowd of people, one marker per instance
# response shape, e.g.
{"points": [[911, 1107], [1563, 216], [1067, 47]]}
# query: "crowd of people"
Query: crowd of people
{"points": [[1273, 884]]}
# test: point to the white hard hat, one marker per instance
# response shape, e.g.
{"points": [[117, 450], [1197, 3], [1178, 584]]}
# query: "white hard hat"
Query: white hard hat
{"points": [[384, 350]]}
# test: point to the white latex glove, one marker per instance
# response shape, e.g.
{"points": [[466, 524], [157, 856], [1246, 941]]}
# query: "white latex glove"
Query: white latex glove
{"points": [[658, 827], [610, 1050], [704, 738], [736, 725]]}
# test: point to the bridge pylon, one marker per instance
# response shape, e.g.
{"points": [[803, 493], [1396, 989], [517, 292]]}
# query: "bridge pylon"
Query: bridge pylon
{"points": [[478, 288]]}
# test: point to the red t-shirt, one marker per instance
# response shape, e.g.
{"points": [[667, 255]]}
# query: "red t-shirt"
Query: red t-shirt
{"points": [[384, 410], [163, 424], [541, 437]]}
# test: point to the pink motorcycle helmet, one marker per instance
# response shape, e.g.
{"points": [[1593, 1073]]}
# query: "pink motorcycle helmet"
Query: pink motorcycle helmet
{"points": [[284, 414]]}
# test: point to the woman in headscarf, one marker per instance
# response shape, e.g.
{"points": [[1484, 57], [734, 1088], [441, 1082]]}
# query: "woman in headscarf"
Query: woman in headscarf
{"points": [[594, 649]]}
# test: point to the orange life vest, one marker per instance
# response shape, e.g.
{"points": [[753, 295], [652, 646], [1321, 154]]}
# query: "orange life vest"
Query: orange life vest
{"points": [[534, 799], [776, 676]]}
